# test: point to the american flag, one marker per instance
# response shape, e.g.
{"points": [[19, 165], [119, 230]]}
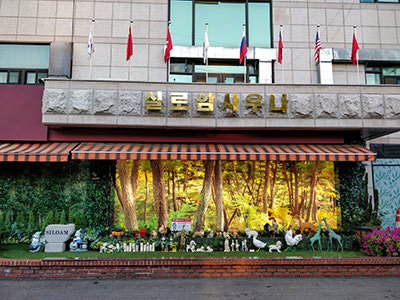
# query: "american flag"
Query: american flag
{"points": [[318, 47]]}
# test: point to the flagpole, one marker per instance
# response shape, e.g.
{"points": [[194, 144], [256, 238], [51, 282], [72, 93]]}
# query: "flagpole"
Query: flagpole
{"points": [[130, 58], [91, 51], [168, 61], [207, 54], [358, 71], [282, 69], [245, 58]]}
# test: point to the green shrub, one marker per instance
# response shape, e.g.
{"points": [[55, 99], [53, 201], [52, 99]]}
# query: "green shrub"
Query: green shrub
{"points": [[56, 217], [48, 220], [21, 220], [63, 217]]}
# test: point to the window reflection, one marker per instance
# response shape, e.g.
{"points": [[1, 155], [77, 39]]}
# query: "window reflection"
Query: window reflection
{"points": [[225, 19]]}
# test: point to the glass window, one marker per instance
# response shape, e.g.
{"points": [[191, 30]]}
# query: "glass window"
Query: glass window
{"points": [[372, 78], [23, 64], [180, 68], [13, 77], [22, 56], [259, 24], [220, 69], [41, 75], [180, 78], [181, 25], [225, 22], [382, 74], [3, 77], [30, 78], [391, 71], [380, 1]]}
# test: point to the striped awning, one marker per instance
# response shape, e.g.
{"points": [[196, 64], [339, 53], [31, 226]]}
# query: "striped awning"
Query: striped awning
{"points": [[281, 152], [36, 152]]}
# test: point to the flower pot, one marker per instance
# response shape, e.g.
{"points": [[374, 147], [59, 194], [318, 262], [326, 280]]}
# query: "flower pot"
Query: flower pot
{"points": [[360, 234]]}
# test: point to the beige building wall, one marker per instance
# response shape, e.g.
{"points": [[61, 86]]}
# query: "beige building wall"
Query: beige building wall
{"points": [[378, 27], [69, 21], [47, 21]]}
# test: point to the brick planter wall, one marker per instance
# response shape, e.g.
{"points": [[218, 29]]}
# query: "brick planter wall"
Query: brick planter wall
{"points": [[198, 267]]}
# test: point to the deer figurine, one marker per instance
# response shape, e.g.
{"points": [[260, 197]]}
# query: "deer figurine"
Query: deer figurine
{"points": [[333, 235], [316, 237], [305, 225]]}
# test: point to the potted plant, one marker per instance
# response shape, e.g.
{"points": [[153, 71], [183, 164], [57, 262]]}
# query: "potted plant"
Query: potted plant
{"points": [[366, 216]]}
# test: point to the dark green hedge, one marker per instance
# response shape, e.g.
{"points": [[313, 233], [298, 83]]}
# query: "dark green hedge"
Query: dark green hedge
{"points": [[350, 186], [75, 186]]}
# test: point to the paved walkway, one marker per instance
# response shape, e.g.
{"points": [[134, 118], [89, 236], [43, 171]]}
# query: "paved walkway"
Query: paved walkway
{"points": [[365, 288]]}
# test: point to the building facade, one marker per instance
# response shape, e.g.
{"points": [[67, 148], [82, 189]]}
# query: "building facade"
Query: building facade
{"points": [[56, 94]]}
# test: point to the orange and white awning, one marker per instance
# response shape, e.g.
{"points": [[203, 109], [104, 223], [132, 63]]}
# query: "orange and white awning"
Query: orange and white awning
{"points": [[277, 152], [35, 152]]}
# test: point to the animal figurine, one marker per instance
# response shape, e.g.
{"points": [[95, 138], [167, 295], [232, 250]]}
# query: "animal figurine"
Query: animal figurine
{"points": [[209, 249], [191, 247], [271, 230], [254, 234], [276, 247], [201, 249], [333, 235], [305, 225], [290, 240], [210, 234], [198, 234], [35, 244], [259, 244], [251, 233], [316, 237], [226, 242], [153, 234]]}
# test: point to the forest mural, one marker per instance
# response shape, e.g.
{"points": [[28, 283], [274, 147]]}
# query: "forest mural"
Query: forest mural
{"points": [[225, 195]]}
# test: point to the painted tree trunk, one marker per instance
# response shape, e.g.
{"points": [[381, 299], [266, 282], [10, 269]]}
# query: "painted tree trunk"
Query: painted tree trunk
{"points": [[313, 185], [288, 185], [160, 201], [126, 191], [173, 191], [219, 201], [205, 196], [265, 188], [296, 189], [272, 188], [146, 196]]}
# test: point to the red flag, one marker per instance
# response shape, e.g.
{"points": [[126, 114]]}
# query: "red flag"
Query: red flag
{"points": [[129, 47], [280, 53], [168, 47], [354, 49]]}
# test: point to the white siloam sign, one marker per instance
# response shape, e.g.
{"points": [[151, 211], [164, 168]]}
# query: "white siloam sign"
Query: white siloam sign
{"points": [[56, 235], [178, 224]]}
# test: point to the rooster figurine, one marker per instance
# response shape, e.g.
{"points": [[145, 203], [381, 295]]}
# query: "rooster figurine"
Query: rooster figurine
{"points": [[290, 240], [253, 234]]}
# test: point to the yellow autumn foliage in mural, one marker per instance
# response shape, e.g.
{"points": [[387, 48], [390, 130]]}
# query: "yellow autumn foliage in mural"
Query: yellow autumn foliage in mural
{"points": [[253, 193]]}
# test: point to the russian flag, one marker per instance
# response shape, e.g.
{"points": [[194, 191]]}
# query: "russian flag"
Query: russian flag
{"points": [[243, 47], [280, 52]]}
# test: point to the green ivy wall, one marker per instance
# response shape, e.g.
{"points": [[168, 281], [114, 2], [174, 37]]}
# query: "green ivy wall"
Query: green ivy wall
{"points": [[74, 186]]}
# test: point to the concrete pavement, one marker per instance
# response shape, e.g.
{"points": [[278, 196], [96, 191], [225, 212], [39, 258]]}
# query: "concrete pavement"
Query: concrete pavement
{"points": [[342, 288]]}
